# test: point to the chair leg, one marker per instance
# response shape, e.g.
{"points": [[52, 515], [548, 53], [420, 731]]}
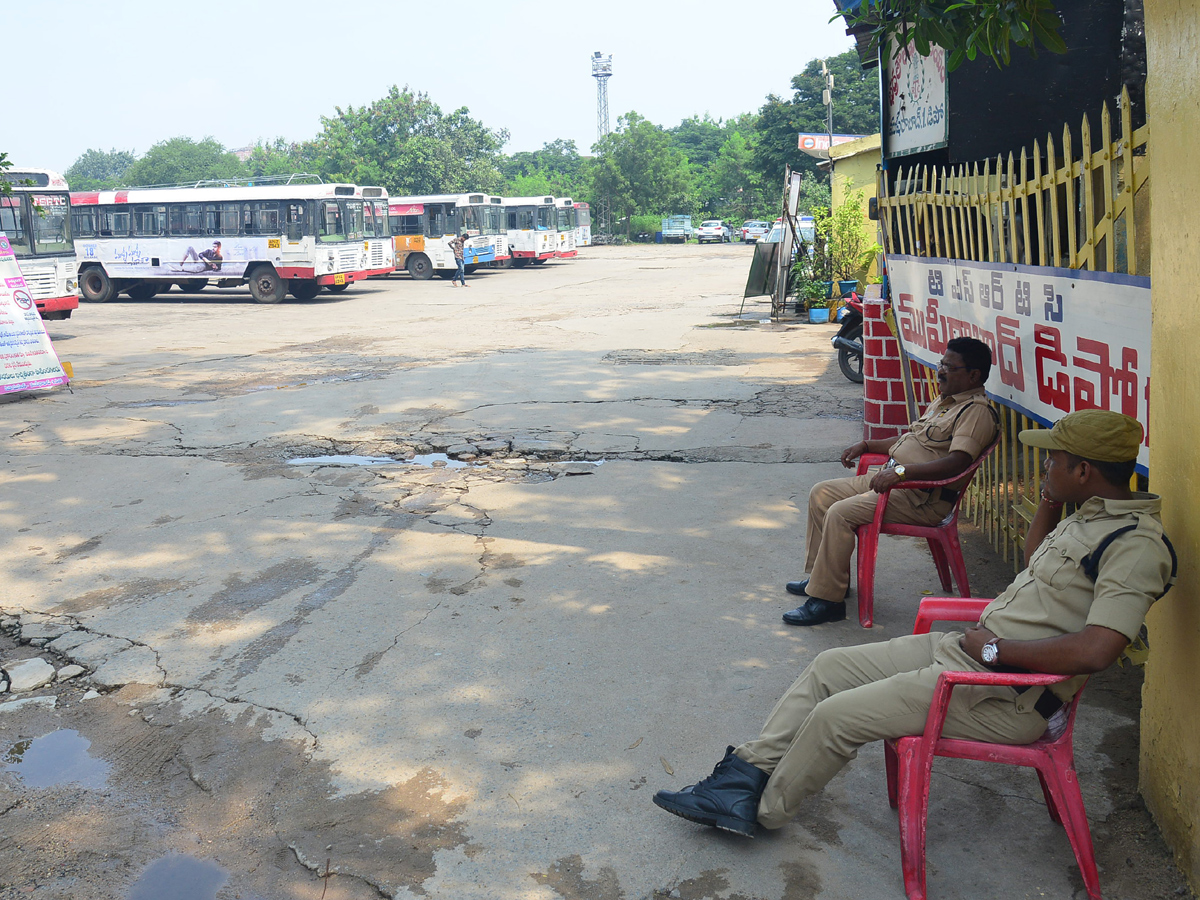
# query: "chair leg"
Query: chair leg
{"points": [[1064, 786], [890, 763], [1051, 804], [957, 565], [913, 799], [938, 552], [868, 547]]}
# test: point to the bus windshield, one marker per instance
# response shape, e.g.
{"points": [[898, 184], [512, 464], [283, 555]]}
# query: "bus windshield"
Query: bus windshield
{"points": [[51, 223], [545, 218], [566, 219], [472, 219]]}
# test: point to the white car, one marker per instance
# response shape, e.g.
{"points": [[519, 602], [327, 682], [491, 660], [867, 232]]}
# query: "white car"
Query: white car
{"points": [[753, 232], [713, 230]]}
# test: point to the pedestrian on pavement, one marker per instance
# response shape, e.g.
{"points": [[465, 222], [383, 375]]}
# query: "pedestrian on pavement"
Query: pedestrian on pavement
{"points": [[457, 246], [955, 429], [1089, 580]]}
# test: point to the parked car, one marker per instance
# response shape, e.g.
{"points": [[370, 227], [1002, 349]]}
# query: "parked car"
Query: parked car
{"points": [[713, 230], [754, 231]]}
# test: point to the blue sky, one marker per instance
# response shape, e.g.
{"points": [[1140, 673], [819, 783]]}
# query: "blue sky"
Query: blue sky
{"points": [[126, 74]]}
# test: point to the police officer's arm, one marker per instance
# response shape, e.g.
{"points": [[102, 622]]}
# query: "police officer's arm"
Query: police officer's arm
{"points": [[854, 451], [1045, 520], [1082, 653], [946, 467]]}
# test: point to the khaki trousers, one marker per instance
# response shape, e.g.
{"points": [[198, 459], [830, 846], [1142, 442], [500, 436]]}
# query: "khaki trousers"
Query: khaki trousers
{"points": [[851, 696], [836, 508]]}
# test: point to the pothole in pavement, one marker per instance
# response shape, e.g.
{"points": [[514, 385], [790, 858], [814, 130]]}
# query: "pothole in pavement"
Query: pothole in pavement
{"points": [[179, 877], [58, 758]]}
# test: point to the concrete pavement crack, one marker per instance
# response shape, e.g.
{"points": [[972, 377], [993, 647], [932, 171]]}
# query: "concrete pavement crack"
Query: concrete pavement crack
{"points": [[321, 870]]}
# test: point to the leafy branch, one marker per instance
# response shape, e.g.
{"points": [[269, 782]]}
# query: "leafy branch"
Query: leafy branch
{"points": [[964, 28]]}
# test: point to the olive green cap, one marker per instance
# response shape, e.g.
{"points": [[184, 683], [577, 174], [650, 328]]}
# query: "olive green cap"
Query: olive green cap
{"points": [[1091, 433]]}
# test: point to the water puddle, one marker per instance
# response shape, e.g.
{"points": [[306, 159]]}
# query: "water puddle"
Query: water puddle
{"points": [[59, 757], [347, 459], [436, 461], [179, 878]]}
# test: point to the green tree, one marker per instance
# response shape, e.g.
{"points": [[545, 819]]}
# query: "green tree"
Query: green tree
{"points": [[735, 179], [279, 157], [96, 170], [405, 143], [639, 170], [855, 111], [5, 165], [556, 169], [181, 160]]}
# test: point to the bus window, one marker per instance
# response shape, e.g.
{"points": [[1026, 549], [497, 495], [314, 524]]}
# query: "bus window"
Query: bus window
{"points": [[297, 217], [149, 221], [83, 221], [544, 220], [369, 220], [403, 225], [221, 218], [12, 223], [263, 218], [332, 228], [184, 219], [114, 222], [435, 220], [51, 223]]}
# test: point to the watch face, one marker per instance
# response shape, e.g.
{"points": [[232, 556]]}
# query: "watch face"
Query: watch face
{"points": [[989, 653]]}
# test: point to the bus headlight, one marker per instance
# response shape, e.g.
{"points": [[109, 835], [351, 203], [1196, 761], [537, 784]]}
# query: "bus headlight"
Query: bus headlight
{"points": [[72, 284]]}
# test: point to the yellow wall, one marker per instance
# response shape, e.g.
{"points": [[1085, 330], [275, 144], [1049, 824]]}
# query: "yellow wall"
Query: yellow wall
{"points": [[1170, 758], [854, 165]]}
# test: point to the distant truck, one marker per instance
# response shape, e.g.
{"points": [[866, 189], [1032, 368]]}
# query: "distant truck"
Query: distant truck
{"points": [[677, 228]]}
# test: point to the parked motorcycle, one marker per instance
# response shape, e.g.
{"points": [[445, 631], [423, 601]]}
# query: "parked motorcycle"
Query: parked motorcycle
{"points": [[849, 341]]}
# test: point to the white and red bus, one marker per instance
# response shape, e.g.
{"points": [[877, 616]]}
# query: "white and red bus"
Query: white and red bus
{"points": [[381, 252], [532, 224], [36, 218], [296, 238], [423, 227], [497, 231], [565, 224], [583, 225]]}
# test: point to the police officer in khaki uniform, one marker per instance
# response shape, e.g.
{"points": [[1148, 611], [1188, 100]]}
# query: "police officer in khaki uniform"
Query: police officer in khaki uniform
{"points": [[1090, 579], [955, 429]]}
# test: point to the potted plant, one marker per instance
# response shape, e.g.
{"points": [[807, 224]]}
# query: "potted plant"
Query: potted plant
{"points": [[848, 246]]}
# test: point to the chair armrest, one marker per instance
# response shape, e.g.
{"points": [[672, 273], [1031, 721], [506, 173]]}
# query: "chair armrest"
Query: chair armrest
{"points": [[870, 459], [946, 682], [948, 609]]}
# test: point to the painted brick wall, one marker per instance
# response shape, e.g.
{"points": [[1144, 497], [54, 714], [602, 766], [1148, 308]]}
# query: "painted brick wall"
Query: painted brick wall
{"points": [[885, 413]]}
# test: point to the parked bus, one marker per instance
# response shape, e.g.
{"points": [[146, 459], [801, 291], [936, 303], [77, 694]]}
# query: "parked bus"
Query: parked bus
{"points": [[423, 227], [565, 225], [283, 238], [532, 229], [583, 225], [497, 231], [381, 251], [36, 218]]}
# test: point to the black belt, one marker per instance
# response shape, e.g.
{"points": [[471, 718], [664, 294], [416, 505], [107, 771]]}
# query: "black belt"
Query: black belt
{"points": [[1047, 704], [948, 496]]}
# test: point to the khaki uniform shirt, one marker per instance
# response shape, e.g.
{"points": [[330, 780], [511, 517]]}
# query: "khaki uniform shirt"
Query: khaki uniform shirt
{"points": [[959, 422], [1054, 596]]}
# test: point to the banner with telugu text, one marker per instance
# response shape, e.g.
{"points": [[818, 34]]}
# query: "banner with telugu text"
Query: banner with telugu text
{"points": [[27, 358], [1061, 339]]}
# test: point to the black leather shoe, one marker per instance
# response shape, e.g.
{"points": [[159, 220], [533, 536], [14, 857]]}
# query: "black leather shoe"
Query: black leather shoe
{"points": [[799, 588], [815, 611], [726, 799]]}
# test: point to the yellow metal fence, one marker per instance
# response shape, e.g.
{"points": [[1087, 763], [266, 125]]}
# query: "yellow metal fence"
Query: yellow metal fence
{"points": [[1050, 205]]}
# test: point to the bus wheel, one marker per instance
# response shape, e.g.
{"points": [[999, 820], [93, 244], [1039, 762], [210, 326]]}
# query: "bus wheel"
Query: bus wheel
{"points": [[142, 290], [419, 267], [337, 288], [265, 285], [304, 288], [446, 274], [95, 285], [193, 285]]}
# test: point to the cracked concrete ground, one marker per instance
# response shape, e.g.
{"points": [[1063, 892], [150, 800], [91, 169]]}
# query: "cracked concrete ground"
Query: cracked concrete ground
{"points": [[465, 680]]}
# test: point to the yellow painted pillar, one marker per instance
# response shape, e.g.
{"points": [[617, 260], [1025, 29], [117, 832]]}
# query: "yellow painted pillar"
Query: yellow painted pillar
{"points": [[1170, 752]]}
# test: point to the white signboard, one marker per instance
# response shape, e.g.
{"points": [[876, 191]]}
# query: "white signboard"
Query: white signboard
{"points": [[915, 112], [1061, 339], [27, 358]]}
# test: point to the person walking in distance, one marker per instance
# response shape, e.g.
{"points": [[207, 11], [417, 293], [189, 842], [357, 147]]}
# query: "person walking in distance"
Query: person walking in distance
{"points": [[461, 273]]}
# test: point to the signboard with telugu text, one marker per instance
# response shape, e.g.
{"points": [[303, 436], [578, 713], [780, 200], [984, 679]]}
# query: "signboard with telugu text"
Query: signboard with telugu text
{"points": [[916, 116], [27, 358], [1061, 339]]}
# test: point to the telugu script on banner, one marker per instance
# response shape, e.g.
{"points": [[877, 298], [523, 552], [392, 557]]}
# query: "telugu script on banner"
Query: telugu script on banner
{"points": [[1061, 339], [27, 358]]}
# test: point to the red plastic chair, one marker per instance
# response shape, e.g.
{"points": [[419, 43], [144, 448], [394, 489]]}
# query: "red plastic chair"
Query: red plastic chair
{"points": [[909, 760], [942, 537]]}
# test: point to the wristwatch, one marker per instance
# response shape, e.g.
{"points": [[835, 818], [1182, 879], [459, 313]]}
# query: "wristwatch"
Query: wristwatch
{"points": [[990, 652], [899, 470]]}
